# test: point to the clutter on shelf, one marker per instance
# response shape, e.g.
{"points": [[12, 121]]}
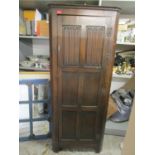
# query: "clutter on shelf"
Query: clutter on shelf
{"points": [[124, 63], [126, 31], [33, 23], [35, 62]]}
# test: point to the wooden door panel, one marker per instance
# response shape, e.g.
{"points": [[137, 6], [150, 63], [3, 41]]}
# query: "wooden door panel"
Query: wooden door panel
{"points": [[68, 122], [87, 125], [83, 49], [69, 88], [90, 93], [81, 44], [94, 45], [71, 44], [82, 88], [82, 39]]}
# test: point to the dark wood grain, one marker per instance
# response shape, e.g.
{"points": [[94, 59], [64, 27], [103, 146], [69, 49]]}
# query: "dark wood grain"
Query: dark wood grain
{"points": [[54, 80], [82, 55]]}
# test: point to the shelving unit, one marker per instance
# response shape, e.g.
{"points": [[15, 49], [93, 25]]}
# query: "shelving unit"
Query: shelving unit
{"points": [[127, 11], [34, 69]]}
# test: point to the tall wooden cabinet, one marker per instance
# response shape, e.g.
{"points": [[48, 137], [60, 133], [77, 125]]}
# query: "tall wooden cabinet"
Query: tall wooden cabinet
{"points": [[82, 45]]}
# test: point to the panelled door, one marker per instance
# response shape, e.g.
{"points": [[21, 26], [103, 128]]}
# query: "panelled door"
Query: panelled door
{"points": [[84, 46]]}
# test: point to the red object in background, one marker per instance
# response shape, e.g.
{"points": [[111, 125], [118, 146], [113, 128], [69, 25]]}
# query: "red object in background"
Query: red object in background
{"points": [[59, 12]]}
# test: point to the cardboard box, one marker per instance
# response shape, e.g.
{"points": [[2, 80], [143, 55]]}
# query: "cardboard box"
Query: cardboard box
{"points": [[42, 28], [129, 141], [112, 108], [28, 28], [22, 26], [29, 15]]}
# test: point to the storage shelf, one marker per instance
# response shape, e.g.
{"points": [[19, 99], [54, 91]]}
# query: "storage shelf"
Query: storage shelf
{"points": [[33, 37], [125, 43], [33, 69], [122, 76]]}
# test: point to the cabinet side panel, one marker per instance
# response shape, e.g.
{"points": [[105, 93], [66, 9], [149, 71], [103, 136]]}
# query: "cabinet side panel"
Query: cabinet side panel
{"points": [[54, 79]]}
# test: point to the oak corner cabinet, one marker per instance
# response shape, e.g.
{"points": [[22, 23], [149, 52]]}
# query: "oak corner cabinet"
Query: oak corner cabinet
{"points": [[82, 47]]}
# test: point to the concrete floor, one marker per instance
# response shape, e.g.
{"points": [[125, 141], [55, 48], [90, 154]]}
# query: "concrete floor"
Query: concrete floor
{"points": [[111, 146]]}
